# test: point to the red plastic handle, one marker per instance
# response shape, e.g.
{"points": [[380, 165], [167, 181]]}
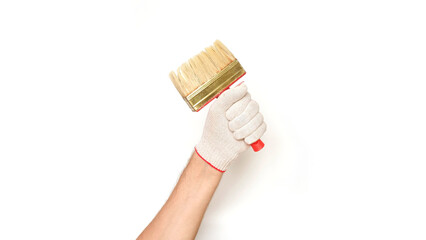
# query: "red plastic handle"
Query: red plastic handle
{"points": [[257, 146]]}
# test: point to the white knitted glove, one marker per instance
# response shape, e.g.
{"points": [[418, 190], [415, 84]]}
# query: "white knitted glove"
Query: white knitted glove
{"points": [[232, 124]]}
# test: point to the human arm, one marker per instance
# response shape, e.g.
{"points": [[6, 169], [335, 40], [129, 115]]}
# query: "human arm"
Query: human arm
{"points": [[181, 215]]}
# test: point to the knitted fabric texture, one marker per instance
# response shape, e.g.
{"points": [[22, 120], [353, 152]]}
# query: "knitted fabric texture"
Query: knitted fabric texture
{"points": [[232, 124]]}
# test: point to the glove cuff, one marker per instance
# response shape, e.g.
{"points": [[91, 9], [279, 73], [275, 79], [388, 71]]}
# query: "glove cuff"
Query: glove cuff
{"points": [[213, 158]]}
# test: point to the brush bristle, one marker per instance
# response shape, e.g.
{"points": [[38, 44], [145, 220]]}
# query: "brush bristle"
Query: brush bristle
{"points": [[201, 68]]}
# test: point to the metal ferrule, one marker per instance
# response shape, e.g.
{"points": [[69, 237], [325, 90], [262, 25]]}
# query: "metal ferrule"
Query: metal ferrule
{"points": [[210, 89]]}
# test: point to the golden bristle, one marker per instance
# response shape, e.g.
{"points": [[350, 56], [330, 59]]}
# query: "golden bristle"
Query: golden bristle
{"points": [[224, 50], [175, 81], [215, 57], [201, 68]]}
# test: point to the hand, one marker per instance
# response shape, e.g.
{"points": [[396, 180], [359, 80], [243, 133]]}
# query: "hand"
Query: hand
{"points": [[232, 124]]}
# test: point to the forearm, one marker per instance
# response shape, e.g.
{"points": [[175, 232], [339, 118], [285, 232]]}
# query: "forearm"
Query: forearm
{"points": [[181, 215]]}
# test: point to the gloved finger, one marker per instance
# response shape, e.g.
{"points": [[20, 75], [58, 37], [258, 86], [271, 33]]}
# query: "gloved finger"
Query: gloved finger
{"points": [[230, 96], [249, 128], [249, 112], [256, 135], [238, 107]]}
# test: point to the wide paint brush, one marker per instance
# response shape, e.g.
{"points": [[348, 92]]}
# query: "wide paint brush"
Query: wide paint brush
{"points": [[205, 76]]}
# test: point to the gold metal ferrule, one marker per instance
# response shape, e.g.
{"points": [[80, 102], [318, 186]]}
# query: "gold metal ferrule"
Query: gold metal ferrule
{"points": [[207, 91]]}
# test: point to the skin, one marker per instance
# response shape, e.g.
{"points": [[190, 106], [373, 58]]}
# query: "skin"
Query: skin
{"points": [[181, 215]]}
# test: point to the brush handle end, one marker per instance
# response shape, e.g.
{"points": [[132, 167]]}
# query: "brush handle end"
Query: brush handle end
{"points": [[257, 146]]}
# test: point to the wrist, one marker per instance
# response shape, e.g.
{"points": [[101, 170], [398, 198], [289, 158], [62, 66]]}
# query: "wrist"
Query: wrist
{"points": [[202, 170]]}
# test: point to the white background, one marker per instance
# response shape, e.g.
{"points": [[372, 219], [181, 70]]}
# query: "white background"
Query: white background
{"points": [[93, 135]]}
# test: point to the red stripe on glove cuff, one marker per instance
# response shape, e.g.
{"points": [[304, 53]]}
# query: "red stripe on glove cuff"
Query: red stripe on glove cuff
{"points": [[208, 161]]}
